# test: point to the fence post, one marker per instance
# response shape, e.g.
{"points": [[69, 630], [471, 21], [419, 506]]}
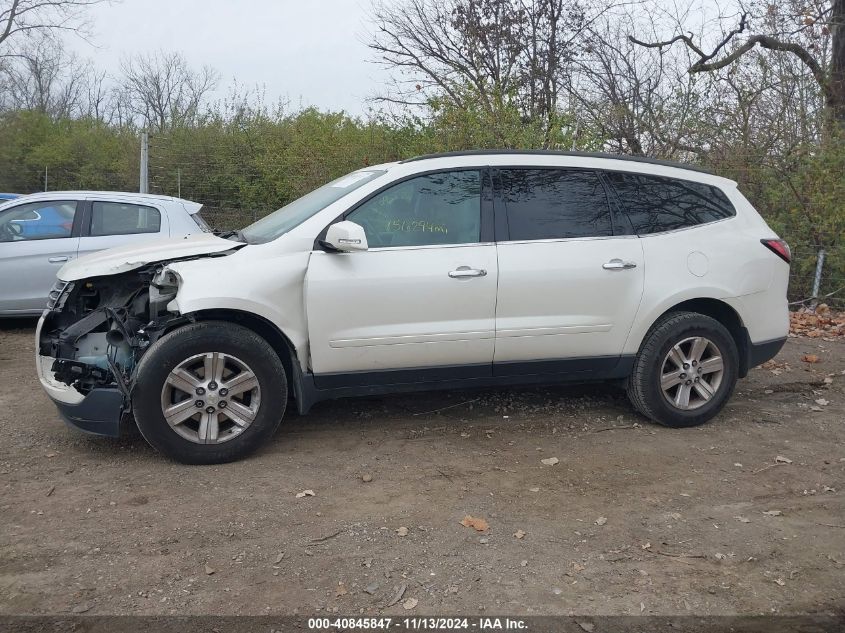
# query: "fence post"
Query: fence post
{"points": [[144, 181], [817, 280]]}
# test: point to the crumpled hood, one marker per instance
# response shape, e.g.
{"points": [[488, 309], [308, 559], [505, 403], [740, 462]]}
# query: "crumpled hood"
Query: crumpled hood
{"points": [[124, 258]]}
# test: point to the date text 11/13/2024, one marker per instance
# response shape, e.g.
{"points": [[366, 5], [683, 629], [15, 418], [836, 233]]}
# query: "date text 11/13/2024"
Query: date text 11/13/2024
{"points": [[418, 623]]}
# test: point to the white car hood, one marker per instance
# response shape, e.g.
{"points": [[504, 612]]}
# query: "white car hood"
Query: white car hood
{"points": [[124, 258]]}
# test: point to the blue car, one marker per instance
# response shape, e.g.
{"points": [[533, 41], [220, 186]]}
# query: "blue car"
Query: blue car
{"points": [[45, 222], [9, 196]]}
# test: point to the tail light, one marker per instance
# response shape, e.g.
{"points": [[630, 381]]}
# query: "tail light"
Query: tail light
{"points": [[779, 248]]}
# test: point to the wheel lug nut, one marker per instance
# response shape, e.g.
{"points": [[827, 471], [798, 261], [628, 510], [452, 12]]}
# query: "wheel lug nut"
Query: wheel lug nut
{"points": [[212, 385], [224, 392], [686, 365], [209, 409], [222, 404], [689, 382], [200, 391], [683, 376], [694, 363], [199, 404]]}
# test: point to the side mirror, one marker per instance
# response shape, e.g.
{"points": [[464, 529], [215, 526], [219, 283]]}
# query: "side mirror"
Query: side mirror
{"points": [[346, 237]]}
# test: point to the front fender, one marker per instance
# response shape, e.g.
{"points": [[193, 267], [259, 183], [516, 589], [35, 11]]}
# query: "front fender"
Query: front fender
{"points": [[270, 288]]}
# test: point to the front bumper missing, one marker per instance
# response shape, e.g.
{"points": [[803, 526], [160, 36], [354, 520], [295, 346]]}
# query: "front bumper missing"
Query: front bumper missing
{"points": [[99, 412]]}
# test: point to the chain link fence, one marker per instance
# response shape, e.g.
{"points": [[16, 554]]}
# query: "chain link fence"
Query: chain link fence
{"points": [[817, 276]]}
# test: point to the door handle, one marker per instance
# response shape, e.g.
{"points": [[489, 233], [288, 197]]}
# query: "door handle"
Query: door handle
{"points": [[618, 264], [465, 271], [57, 260]]}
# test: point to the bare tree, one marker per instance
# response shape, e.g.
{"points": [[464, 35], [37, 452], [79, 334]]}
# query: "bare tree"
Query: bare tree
{"points": [[161, 91], [498, 53], [801, 29], [639, 101], [44, 78], [26, 18]]}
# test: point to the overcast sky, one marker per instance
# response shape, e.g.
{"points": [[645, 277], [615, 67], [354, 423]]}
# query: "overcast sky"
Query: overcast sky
{"points": [[307, 51]]}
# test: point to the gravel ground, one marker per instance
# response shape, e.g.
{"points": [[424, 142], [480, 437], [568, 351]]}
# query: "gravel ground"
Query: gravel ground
{"points": [[745, 515]]}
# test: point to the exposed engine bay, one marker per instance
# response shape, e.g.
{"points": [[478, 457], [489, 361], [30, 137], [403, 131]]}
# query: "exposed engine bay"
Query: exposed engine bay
{"points": [[97, 329]]}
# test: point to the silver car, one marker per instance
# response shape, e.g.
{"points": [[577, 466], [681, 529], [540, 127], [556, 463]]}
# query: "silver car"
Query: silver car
{"points": [[39, 233]]}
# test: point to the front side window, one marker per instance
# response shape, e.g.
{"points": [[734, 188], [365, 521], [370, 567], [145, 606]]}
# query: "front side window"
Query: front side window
{"points": [[442, 208], [545, 204], [119, 218], [655, 204], [37, 221]]}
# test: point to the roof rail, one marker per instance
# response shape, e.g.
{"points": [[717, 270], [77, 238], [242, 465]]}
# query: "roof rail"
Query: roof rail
{"points": [[550, 152]]}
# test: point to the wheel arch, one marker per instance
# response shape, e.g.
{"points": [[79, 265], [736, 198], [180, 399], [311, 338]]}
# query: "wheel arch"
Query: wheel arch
{"points": [[721, 312], [281, 344]]}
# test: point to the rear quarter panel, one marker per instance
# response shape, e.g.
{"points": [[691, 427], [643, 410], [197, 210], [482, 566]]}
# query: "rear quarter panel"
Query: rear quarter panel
{"points": [[722, 260]]}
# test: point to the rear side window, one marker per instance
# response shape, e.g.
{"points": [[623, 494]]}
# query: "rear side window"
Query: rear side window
{"points": [[547, 204], [655, 204], [119, 218]]}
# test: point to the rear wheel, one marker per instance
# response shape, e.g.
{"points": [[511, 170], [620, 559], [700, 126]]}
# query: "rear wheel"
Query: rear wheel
{"points": [[685, 371], [209, 392]]}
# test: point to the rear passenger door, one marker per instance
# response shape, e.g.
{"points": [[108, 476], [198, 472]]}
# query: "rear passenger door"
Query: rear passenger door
{"points": [[111, 223], [570, 280]]}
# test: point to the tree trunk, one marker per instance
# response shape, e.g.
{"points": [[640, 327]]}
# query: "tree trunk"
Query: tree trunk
{"points": [[836, 96]]}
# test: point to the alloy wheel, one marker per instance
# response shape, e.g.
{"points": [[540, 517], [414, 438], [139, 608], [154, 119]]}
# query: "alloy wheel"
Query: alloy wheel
{"points": [[692, 373], [210, 398]]}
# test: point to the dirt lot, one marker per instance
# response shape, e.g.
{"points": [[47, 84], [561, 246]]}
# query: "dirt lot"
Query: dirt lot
{"points": [[745, 515]]}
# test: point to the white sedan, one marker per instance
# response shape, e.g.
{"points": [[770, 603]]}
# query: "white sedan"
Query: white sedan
{"points": [[41, 232]]}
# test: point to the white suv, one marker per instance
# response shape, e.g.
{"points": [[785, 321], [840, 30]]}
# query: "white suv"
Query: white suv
{"points": [[473, 269]]}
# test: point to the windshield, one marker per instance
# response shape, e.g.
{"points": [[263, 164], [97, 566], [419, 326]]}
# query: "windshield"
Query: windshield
{"points": [[292, 215]]}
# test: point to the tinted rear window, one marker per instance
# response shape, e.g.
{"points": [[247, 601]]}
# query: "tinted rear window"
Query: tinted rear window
{"points": [[655, 204], [554, 204], [120, 218]]}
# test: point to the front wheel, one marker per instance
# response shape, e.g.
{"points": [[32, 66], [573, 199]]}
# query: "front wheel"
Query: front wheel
{"points": [[209, 392], [685, 371]]}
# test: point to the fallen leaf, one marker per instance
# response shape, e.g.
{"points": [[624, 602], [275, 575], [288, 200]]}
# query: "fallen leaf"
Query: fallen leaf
{"points": [[601, 520], [550, 461], [646, 546], [480, 525], [773, 513], [82, 608], [519, 534], [822, 402], [279, 558], [341, 590], [811, 358], [780, 459], [589, 627], [410, 603], [402, 531], [743, 519], [533, 490], [305, 493], [780, 581]]}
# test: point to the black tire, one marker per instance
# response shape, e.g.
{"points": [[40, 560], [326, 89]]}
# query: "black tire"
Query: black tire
{"points": [[198, 338], [644, 384]]}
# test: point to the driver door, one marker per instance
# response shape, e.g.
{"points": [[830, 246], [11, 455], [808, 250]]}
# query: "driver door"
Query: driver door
{"points": [[420, 303]]}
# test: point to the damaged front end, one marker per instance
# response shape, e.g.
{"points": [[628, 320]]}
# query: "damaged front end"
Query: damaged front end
{"points": [[92, 336]]}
